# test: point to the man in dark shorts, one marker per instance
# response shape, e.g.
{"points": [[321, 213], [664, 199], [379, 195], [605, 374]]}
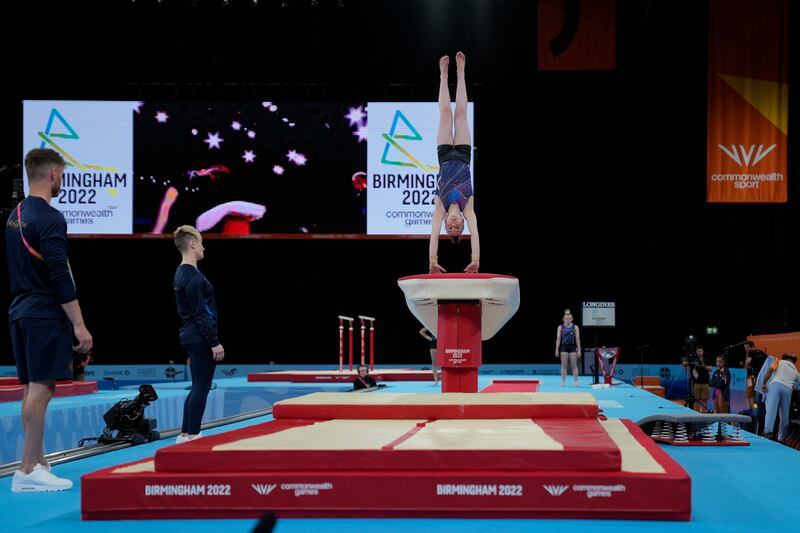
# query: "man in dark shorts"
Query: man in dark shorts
{"points": [[44, 313], [454, 201]]}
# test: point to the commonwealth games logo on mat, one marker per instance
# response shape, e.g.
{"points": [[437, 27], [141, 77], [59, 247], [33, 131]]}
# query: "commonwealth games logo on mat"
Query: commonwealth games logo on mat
{"points": [[262, 488], [556, 490]]}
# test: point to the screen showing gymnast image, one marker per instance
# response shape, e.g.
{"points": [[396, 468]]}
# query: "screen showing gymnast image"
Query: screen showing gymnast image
{"points": [[241, 168]]}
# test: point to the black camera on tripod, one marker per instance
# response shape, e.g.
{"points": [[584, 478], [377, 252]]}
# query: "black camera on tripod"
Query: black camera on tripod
{"points": [[690, 358], [127, 419]]}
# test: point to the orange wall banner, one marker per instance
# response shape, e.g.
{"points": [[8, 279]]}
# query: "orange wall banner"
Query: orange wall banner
{"points": [[577, 35], [778, 344], [748, 101]]}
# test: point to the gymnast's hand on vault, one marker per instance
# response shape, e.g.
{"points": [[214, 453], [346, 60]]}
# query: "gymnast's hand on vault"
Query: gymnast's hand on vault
{"points": [[436, 268], [472, 268]]}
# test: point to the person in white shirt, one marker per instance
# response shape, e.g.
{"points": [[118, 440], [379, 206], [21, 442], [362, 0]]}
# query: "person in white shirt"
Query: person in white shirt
{"points": [[758, 382], [778, 382]]}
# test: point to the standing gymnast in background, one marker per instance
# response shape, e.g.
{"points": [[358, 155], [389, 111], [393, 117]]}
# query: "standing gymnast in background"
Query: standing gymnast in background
{"points": [[721, 381], [197, 307], [454, 200], [568, 346]]}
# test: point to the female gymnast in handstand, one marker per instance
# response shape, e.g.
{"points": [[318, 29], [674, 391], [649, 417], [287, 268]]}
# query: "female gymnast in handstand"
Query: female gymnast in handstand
{"points": [[454, 200]]}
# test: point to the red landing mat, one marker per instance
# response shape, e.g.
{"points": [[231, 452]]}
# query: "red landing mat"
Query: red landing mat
{"points": [[64, 388], [386, 405], [85, 387], [317, 376], [468, 445], [651, 486], [14, 393], [9, 381], [512, 385], [11, 393]]}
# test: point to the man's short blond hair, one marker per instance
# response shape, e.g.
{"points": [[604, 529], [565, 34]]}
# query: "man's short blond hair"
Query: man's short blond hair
{"points": [[183, 234]]}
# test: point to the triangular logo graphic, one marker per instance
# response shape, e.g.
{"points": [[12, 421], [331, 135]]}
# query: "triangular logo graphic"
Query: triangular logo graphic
{"points": [[391, 141], [48, 136], [54, 114], [393, 130], [770, 98]]}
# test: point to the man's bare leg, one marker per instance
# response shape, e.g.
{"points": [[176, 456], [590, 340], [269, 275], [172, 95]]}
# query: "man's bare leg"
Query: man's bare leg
{"points": [[41, 460], [33, 412]]}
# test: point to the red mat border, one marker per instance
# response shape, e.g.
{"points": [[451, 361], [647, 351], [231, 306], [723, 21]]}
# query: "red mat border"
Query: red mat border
{"points": [[10, 392], [499, 385], [405, 494], [456, 275], [431, 411]]}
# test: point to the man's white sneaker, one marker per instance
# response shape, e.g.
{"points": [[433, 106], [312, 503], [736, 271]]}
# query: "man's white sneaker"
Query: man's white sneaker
{"points": [[39, 480]]}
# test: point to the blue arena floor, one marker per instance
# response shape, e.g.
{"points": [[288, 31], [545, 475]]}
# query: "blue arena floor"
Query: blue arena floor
{"points": [[734, 489]]}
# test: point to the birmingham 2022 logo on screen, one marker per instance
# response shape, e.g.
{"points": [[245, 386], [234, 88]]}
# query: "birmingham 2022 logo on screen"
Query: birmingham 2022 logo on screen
{"points": [[402, 167], [96, 141]]}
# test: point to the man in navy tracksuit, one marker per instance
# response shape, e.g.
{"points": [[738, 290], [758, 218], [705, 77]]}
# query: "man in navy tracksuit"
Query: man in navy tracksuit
{"points": [[44, 313], [197, 308]]}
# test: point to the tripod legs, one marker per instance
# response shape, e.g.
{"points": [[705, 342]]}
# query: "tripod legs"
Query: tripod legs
{"points": [[690, 401]]}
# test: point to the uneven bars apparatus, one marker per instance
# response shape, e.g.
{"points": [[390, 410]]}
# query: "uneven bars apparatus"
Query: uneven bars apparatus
{"points": [[341, 341], [363, 319]]}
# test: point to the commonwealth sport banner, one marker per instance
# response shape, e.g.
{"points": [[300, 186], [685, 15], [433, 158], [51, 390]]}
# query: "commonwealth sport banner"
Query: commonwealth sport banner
{"points": [[748, 97]]}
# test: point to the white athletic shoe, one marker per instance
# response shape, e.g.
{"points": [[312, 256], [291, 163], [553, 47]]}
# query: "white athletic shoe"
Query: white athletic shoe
{"points": [[180, 439], [39, 480]]}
